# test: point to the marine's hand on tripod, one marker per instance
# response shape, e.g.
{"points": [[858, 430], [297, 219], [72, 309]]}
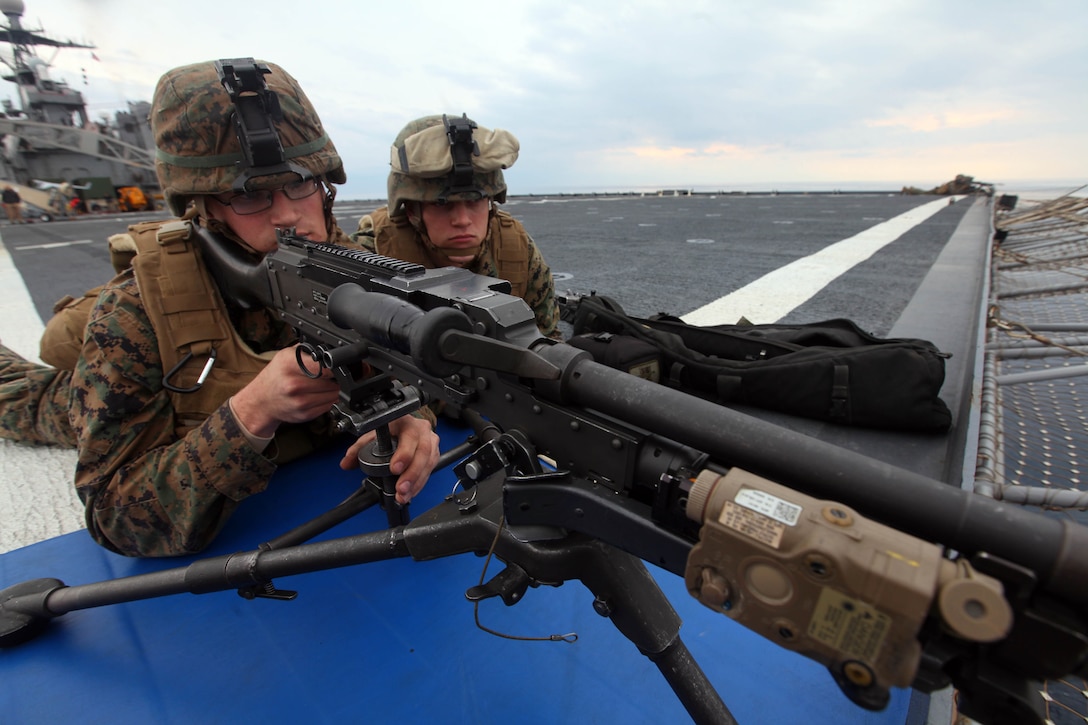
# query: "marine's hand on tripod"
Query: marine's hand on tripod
{"points": [[415, 456]]}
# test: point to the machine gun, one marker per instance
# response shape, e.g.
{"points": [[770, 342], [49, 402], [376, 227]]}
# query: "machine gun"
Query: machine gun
{"points": [[888, 578]]}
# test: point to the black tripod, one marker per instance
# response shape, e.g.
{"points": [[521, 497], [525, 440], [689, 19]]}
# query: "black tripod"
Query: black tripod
{"points": [[623, 589]]}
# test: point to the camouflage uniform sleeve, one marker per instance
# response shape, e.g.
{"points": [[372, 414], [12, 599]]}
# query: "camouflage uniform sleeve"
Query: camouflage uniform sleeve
{"points": [[364, 235], [33, 401], [146, 491], [540, 294]]}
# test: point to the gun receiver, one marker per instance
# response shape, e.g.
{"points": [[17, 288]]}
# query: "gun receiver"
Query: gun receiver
{"points": [[837, 556]]}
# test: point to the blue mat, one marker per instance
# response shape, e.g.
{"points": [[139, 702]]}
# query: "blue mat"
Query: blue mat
{"points": [[391, 641]]}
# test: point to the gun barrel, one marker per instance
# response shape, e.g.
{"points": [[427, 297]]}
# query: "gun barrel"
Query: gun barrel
{"points": [[1056, 551]]}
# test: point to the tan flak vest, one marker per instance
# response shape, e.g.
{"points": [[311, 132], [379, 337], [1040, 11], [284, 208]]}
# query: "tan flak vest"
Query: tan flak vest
{"points": [[508, 241], [191, 322], [190, 319]]}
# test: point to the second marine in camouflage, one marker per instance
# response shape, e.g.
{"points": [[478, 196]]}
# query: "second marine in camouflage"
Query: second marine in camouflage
{"points": [[445, 183]]}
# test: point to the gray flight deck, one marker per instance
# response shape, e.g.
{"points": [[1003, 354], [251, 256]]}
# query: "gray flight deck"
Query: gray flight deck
{"points": [[675, 254]]}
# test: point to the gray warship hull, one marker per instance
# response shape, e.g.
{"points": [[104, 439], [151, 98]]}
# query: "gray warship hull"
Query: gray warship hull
{"points": [[51, 151]]}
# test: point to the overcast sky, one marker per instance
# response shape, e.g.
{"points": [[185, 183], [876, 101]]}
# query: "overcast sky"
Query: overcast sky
{"points": [[643, 94]]}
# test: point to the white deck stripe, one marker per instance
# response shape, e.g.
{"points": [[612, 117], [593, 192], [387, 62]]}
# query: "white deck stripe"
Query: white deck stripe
{"points": [[55, 245], [22, 327], [776, 294], [37, 498]]}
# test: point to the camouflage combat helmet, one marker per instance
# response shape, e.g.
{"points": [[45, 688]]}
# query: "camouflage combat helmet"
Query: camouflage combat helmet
{"points": [[441, 158], [204, 147]]}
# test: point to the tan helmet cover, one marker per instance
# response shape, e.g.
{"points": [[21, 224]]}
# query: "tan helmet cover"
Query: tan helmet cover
{"points": [[427, 154], [421, 163]]}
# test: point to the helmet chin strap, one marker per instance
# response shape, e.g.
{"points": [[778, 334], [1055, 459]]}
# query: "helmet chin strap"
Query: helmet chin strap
{"points": [[198, 209], [329, 191]]}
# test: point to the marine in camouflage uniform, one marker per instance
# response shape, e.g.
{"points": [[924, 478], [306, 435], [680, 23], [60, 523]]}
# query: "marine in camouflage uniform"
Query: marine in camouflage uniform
{"points": [[34, 398], [159, 470], [443, 160]]}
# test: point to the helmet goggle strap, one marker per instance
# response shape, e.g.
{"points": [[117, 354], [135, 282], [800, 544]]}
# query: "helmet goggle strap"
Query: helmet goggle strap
{"points": [[462, 148], [256, 108]]}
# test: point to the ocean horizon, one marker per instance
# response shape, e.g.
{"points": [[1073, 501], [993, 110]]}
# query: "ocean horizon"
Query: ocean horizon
{"points": [[1027, 188]]}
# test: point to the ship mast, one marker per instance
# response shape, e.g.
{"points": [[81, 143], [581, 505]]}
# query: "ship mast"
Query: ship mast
{"points": [[41, 98], [49, 136]]}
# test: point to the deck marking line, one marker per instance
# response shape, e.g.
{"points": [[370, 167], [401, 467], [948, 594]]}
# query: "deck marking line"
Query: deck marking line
{"points": [[55, 245], [776, 294], [37, 498], [23, 326]]}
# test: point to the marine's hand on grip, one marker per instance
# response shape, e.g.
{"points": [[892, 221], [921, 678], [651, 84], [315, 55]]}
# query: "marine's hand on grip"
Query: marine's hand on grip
{"points": [[282, 393]]}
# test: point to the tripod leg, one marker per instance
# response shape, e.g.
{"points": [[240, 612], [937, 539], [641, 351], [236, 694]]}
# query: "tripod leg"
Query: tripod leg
{"points": [[627, 593], [26, 608]]}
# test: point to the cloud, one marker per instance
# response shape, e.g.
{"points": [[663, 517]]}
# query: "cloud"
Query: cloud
{"points": [[645, 92], [657, 153], [928, 121], [681, 155]]}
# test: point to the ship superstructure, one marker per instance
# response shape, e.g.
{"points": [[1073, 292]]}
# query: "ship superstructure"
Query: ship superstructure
{"points": [[48, 142]]}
